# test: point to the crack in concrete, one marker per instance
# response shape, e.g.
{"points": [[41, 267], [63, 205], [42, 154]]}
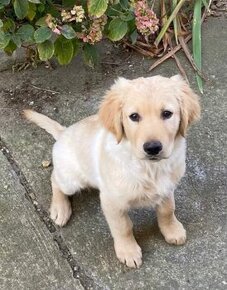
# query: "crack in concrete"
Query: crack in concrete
{"points": [[78, 273]]}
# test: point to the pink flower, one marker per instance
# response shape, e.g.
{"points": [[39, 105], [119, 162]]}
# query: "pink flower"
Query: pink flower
{"points": [[145, 18], [57, 31], [94, 33]]}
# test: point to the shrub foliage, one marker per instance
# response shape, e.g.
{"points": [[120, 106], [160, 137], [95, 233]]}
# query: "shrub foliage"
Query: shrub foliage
{"points": [[64, 28]]}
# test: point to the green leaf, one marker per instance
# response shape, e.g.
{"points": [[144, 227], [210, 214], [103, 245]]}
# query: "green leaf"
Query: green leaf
{"points": [[68, 32], [41, 7], [117, 29], [131, 26], [46, 50], [127, 17], [133, 36], [97, 7], [9, 49], [175, 21], [124, 4], [26, 32], [16, 39], [206, 4], [41, 21], [42, 34], [35, 1], [76, 46], [64, 50], [4, 39], [52, 8], [1, 23], [113, 10], [68, 3], [20, 8], [4, 2], [31, 11], [196, 40], [90, 55], [9, 25]]}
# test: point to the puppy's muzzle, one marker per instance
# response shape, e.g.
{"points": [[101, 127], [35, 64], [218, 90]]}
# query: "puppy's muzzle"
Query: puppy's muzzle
{"points": [[152, 148]]}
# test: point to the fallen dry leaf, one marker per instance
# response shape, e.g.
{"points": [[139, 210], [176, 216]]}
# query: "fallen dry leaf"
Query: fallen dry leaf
{"points": [[46, 163]]}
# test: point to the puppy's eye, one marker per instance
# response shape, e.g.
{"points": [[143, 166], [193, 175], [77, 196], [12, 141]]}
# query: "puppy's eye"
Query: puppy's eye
{"points": [[135, 117], [166, 115]]}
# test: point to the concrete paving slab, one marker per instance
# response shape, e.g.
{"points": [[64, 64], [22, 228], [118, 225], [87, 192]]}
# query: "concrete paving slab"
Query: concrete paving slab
{"points": [[75, 92], [29, 258]]}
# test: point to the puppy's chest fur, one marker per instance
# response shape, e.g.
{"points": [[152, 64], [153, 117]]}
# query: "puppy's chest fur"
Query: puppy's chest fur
{"points": [[141, 183], [148, 184]]}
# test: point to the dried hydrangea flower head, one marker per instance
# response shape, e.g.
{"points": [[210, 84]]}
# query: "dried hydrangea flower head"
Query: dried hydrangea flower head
{"points": [[95, 32], [145, 18], [76, 14]]}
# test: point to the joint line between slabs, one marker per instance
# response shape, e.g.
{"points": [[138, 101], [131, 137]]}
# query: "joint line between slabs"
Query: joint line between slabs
{"points": [[78, 273]]}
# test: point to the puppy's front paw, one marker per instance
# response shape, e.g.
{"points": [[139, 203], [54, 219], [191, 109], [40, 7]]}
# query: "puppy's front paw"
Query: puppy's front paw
{"points": [[174, 233], [60, 212], [129, 253]]}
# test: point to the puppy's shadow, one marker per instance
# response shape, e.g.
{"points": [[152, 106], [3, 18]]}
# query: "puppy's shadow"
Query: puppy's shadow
{"points": [[145, 227], [87, 203], [91, 232], [87, 200]]}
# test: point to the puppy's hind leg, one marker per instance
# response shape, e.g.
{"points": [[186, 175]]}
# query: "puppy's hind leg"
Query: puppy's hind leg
{"points": [[60, 209]]}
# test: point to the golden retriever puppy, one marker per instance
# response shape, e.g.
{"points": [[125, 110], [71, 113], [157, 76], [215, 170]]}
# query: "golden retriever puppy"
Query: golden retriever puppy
{"points": [[133, 151]]}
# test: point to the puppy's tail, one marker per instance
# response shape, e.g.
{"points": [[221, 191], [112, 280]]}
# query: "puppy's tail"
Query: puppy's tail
{"points": [[51, 126]]}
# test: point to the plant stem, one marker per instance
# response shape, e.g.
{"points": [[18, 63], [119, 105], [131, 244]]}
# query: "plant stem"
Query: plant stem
{"points": [[167, 24], [175, 21], [196, 40]]}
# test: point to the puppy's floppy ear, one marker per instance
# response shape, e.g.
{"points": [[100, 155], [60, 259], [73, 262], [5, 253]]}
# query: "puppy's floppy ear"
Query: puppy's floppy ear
{"points": [[110, 114], [189, 105]]}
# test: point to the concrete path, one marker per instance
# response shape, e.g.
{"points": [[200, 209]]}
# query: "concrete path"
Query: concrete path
{"points": [[35, 254]]}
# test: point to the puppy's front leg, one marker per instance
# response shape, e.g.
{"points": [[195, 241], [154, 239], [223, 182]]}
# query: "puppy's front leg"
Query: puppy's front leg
{"points": [[172, 230], [126, 247]]}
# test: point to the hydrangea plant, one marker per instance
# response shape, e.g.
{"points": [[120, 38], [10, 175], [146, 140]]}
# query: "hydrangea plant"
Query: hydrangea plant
{"points": [[62, 29]]}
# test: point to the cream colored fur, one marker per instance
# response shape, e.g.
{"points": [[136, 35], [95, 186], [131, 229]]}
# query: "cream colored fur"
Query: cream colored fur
{"points": [[106, 151]]}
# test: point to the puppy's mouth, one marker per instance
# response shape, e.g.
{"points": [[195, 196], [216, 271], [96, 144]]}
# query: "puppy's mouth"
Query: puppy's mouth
{"points": [[155, 158]]}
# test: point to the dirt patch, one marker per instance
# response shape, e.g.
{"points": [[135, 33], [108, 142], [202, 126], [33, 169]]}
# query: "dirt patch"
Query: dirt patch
{"points": [[26, 94], [218, 8]]}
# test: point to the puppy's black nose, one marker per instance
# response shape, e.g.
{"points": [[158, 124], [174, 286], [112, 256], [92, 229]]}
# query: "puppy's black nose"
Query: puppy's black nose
{"points": [[152, 147]]}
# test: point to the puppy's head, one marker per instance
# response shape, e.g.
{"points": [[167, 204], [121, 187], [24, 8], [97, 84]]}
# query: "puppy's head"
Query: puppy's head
{"points": [[150, 113]]}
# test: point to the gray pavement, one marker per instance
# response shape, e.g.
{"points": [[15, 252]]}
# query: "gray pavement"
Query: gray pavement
{"points": [[22, 267], [35, 254]]}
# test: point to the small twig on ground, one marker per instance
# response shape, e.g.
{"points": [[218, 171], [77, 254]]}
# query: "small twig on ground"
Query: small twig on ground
{"points": [[47, 90], [178, 63], [109, 62], [180, 67], [169, 54], [147, 45], [190, 58], [139, 49]]}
